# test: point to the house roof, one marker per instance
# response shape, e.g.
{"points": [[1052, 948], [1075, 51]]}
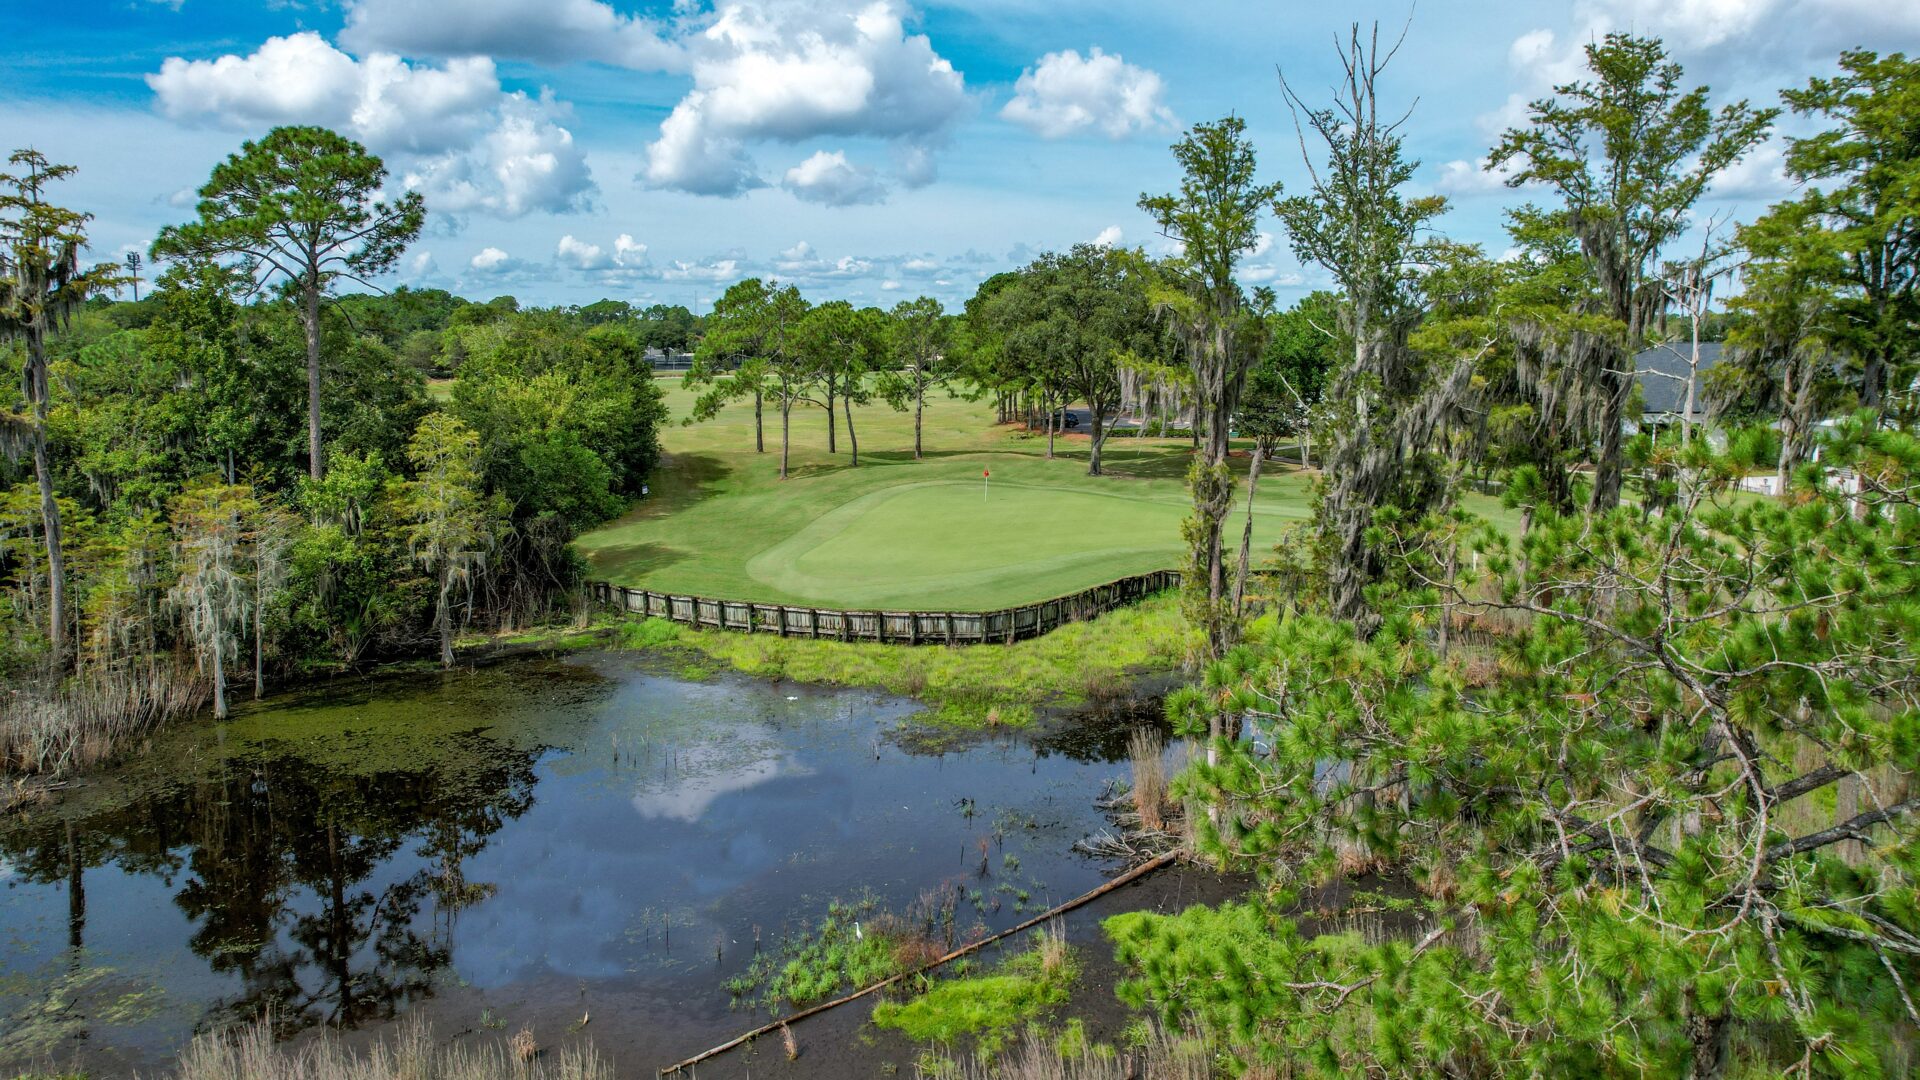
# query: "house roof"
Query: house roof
{"points": [[1662, 373]]}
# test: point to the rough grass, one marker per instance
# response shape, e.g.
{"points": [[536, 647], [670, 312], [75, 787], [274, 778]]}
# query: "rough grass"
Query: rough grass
{"points": [[252, 1054], [971, 685], [989, 1007], [901, 533]]}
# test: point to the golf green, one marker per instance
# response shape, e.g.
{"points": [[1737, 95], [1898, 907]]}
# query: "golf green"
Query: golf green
{"points": [[941, 543], [896, 532], [901, 533]]}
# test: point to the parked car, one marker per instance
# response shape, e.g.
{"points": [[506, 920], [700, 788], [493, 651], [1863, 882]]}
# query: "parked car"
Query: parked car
{"points": [[1069, 418]]}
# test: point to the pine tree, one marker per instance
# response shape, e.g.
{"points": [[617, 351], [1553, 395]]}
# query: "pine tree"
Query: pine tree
{"points": [[1619, 815], [300, 207]]}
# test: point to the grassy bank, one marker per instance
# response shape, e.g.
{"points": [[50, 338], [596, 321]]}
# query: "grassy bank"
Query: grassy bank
{"points": [[970, 686]]}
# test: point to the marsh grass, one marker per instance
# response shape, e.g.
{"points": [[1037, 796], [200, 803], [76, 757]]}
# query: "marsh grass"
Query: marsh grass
{"points": [[972, 686], [855, 945], [54, 731], [411, 1054], [989, 1007], [1146, 752], [1156, 1055]]}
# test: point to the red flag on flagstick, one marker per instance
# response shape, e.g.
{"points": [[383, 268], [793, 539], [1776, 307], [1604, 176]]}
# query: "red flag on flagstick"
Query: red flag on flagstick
{"points": [[984, 474]]}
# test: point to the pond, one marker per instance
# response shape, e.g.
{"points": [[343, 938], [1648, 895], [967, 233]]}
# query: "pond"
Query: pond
{"points": [[580, 843]]}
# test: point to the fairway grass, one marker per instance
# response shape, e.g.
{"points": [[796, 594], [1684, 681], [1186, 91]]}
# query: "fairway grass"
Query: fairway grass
{"points": [[904, 534]]}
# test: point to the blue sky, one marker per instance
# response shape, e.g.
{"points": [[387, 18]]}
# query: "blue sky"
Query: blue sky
{"points": [[867, 149]]}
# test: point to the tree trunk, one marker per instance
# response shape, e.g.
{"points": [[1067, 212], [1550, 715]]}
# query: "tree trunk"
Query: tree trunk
{"points": [[1099, 437], [853, 440], [443, 619], [38, 393], [1873, 380], [219, 674], [1693, 381], [831, 447], [786, 428], [310, 317], [1218, 502], [259, 636], [919, 406], [56, 548], [1796, 418], [1709, 1038], [1606, 463], [759, 434], [1246, 536]]}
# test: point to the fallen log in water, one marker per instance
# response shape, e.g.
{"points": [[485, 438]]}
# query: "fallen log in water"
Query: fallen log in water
{"points": [[1134, 874]]}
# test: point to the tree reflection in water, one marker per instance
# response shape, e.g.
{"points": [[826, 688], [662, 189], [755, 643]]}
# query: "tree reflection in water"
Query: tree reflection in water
{"points": [[331, 895]]}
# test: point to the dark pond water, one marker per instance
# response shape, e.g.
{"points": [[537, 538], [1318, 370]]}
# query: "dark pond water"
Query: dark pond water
{"points": [[532, 843]]}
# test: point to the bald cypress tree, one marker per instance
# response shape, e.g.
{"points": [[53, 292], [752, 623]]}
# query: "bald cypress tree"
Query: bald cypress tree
{"points": [[1357, 222], [41, 283], [1629, 153], [1214, 217]]}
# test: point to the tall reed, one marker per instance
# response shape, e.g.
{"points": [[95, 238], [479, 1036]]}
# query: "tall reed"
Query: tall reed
{"points": [[88, 718], [1144, 751], [1163, 1057], [411, 1054]]}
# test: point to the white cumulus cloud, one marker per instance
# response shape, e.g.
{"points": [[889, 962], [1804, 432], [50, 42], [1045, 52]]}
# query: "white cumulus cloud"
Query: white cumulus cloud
{"points": [[581, 255], [710, 269], [629, 252], [1066, 94], [547, 31], [1461, 177], [491, 260], [451, 132], [831, 180], [1108, 237], [789, 70]]}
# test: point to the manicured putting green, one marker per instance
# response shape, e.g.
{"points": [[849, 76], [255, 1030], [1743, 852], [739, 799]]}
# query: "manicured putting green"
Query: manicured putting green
{"points": [[946, 543]]}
